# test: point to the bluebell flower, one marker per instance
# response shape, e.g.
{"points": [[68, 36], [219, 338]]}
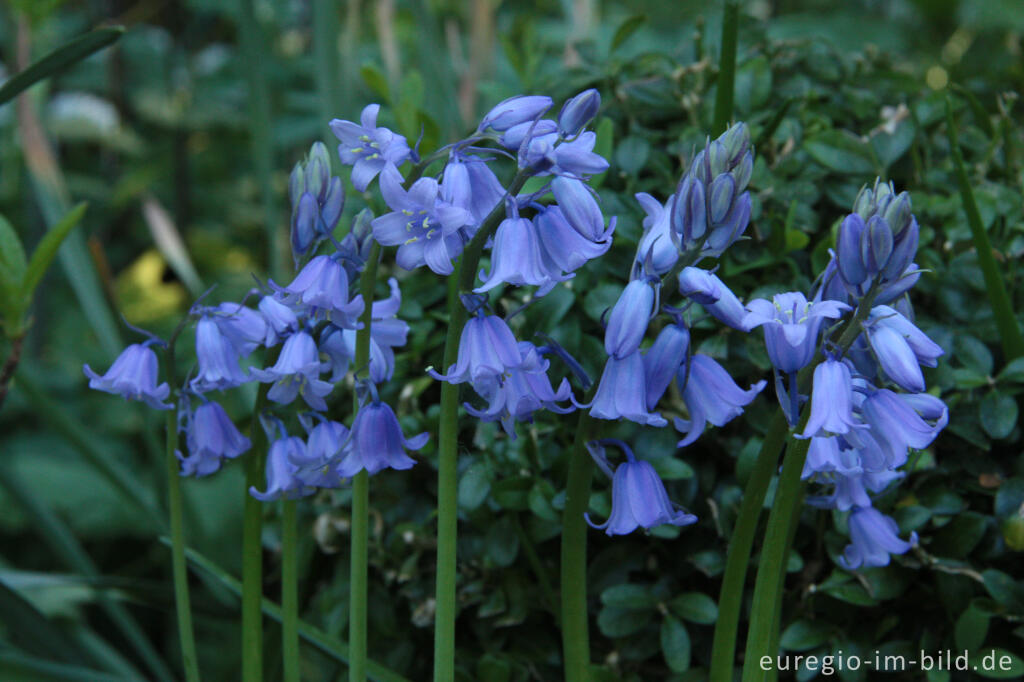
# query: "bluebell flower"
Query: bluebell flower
{"points": [[627, 322], [487, 347], [514, 137], [579, 207], [639, 499], [622, 392], [831, 400], [687, 209], [243, 327], [218, 359], [211, 436], [367, 148], [317, 200], [562, 247], [316, 464], [523, 390], [377, 442], [791, 325], [896, 358], [514, 111], [421, 224], [926, 351], [282, 471], [710, 395], [281, 320], [873, 537], [322, 286], [386, 334], [516, 259], [578, 111], [656, 247], [133, 376], [831, 454], [470, 183], [897, 425], [707, 289], [663, 359], [296, 372], [577, 158]]}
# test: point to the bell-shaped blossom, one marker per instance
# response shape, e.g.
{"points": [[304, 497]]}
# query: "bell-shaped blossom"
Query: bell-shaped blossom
{"points": [[831, 400], [831, 455], [386, 333], [707, 289], [562, 247], [516, 259], [873, 537], [577, 158], [487, 347], [896, 424], [421, 224], [515, 111], [377, 442], [322, 286], [368, 148], [296, 372], [710, 395], [791, 324], [211, 436], [688, 213], [218, 359], [896, 358], [281, 320], [133, 376], [639, 499], [522, 391], [925, 350], [663, 359], [854, 490], [470, 183], [627, 322], [578, 111], [529, 131], [282, 471], [316, 464], [656, 247], [579, 207], [622, 392], [243, 327]]}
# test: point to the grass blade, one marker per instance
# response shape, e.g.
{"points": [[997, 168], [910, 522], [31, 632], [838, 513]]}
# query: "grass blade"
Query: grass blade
{"points": [[41, 258]]}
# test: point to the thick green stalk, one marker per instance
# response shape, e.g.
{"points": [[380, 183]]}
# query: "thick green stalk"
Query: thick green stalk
{"points": [[182, 604], [575, 623], [726, 68], [326, 28], [448, 436], [255, 52], [252, 549], [289, 591], [358, 585], [1002, 308], [730, 599]]}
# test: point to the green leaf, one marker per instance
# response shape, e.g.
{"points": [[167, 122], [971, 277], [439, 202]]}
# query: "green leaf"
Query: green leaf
{"points": [[629, 597], [998, 664], [631, 154], [1013, 533], [973, 354], [675, 644], [841, 152], [490, 668], [890, 148], [615, 622], [12, 274], [998, 413], [474, 486], [44, 254], [695, 607], [804, 635], [626, 29], [1004, 590], [958, 537], [60, 59], [753, 85], [1014, 372], [31, 631], [1009, 497], [971, 628], [15, 667], [375, 80]]}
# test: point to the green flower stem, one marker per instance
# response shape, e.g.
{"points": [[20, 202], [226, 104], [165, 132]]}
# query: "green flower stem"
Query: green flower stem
{"points": [[730, 599], [763, 633], [182, 604], [252, 549], [726, 68], [358, 585], [575, 622], [328, 72], [1002, 308], [447, 472], [289, 591]]}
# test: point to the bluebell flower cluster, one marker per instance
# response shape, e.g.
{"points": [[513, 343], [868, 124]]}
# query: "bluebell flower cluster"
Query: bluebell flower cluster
{"points": [[708, 212], [868, 406]]}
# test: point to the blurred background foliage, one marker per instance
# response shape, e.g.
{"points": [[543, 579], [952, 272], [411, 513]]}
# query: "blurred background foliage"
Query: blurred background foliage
{"points": [[181, 137]]}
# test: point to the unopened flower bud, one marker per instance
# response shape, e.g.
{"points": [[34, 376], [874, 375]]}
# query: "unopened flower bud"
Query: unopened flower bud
{"points": [[578, 112]]}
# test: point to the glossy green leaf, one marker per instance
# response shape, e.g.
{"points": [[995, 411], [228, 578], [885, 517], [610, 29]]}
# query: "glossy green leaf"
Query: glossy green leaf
{"points": [[675, 644], [841, 152], [803, 635], [627, 28], [474, 486], [971, 628], [998, 414], [1013, 371], [60, 59], [695, 607]]}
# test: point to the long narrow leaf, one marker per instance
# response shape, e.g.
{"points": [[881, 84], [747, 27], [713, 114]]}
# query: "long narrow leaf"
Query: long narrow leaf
{"points": [[60, 59], [31, 631], [44, 254], [329, 645], [16, 667]]}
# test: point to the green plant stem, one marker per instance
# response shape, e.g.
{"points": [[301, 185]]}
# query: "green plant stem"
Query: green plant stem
{"points": [[326, 27], [1002, 309], [726, 68], [256, 55], [358, 584], [448, 436], [730, 599], [252, 549], [289, 591], [182, 604], [575, 622]]}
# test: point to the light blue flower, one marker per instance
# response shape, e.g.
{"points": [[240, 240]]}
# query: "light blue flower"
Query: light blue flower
{"points": [[133, 376], [873, 537], [211, 436], [368, 148], [711, 396]]}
